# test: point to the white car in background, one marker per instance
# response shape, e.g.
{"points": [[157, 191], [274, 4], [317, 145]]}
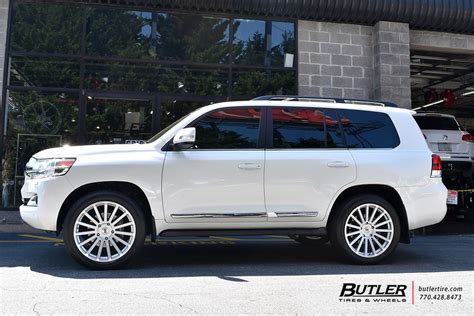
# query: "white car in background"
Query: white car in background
{"points": [[455, 145], [446, 137], [363, 174]]}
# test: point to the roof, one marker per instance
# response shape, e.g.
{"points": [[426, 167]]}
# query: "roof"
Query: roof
{"points": [[303, 103], [436, 15], [326, 100]]}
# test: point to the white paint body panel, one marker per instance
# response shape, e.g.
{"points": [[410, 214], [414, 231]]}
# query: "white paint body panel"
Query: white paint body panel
{"points": [[210, 181], [302, 181]]}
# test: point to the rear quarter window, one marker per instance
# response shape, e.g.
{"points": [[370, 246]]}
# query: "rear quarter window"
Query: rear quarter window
{"points": [[366, 129]]}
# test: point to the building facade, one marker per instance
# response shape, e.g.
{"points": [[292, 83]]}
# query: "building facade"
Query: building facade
{"points": [[104, 72]]}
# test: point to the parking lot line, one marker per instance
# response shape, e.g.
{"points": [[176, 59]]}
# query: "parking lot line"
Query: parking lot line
{"points": [[51, 239], [225, 238]]}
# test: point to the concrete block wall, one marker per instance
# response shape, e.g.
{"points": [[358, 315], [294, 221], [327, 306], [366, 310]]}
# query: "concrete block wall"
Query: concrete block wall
{"points": [[335, 60], [392, 63], [355, 61]]}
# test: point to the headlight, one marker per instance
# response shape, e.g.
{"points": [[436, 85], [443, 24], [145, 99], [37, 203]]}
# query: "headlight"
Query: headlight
{"points": [[45, 168]]}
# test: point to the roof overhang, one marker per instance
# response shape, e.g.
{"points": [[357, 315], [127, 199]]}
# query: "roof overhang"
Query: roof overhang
{"points": [[455, 16]]}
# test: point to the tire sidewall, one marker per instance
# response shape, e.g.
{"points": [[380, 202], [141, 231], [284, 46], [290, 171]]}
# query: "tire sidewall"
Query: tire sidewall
{"points": [[337, 228], [89, 199]]}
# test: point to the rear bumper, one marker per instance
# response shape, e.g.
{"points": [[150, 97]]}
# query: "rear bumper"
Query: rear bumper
{"points": [[425, 205]]}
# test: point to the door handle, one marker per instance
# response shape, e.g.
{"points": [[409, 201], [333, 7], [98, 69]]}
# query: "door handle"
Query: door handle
{"points": [[250, 166], [338, 164]]}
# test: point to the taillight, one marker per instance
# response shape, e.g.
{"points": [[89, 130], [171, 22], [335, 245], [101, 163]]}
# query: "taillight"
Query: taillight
{"points": [[436, 166], [468, 138]]}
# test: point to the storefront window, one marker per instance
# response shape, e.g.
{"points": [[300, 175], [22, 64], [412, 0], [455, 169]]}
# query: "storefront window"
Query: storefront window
{"points": [[163, 36], [249, 42], [283, 44], [264, 43], [28, 71], [169, 79], [131, 72], [112, 121], [35, 121], [172, 110], [193, 38], [248, 82], [46, 28]]}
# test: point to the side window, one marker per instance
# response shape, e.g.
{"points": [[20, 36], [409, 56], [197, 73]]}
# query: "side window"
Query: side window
{"points": [[366, 129], [233, 128], [305, 128]]}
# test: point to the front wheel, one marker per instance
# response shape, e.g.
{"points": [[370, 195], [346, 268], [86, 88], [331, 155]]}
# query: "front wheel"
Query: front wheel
{"points": [[104, 230], [366, 229]]}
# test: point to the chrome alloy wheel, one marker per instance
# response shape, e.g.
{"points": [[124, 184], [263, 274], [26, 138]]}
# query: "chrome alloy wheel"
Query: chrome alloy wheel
{"points": [[369, 230], [104, 231]]}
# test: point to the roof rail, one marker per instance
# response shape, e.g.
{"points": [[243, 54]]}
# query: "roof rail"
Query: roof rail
{"points": [[324, 99]]}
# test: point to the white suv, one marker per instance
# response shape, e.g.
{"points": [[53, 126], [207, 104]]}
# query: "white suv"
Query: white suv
{"points": [[455, 146], [446, 137], [362, 174]]}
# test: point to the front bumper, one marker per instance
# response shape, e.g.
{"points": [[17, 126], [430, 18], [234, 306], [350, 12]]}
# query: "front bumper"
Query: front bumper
{"points": [[51, 194]]}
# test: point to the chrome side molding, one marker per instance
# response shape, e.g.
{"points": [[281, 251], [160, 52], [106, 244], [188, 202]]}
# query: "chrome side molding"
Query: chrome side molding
{"points": [[293, 214], [246, 215], [220, 215]]}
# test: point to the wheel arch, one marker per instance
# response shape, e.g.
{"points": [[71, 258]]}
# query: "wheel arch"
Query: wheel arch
{"points": [[126, 188], [384, 191]]}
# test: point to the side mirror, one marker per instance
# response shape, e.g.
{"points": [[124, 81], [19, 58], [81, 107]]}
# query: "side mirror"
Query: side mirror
{"points": [[186, 136]]}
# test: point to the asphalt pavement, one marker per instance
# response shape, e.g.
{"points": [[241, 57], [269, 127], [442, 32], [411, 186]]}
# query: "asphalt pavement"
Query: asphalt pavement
{"points": [[265, 274]]}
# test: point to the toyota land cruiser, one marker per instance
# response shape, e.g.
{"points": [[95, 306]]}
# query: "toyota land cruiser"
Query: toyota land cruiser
{"points": [[360, 174]]}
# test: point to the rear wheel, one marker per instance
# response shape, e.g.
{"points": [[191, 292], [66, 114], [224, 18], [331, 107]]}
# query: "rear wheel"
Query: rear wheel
{"points": [[366, 229], [104, 230]]}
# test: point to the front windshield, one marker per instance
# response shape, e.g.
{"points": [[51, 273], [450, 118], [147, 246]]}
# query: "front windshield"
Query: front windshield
{"points": [[164, 130]]}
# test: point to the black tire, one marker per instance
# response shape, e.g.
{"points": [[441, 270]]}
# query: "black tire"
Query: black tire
{"points": [[337, 229], [75, 211], [310, 240]]}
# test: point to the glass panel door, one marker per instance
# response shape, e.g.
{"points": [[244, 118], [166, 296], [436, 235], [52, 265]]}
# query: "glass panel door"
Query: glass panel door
{"points": [[118, 121]]}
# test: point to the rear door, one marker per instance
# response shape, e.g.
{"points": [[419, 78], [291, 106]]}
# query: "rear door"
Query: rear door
{"points": [[306, 163], [443, 134]]}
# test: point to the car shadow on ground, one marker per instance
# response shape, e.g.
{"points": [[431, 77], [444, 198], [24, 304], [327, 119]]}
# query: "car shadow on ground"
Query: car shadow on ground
{"points": [[233, 261]]}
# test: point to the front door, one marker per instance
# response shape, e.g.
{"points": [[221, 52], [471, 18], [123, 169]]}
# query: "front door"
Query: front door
{"points": [[220, 178]]}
